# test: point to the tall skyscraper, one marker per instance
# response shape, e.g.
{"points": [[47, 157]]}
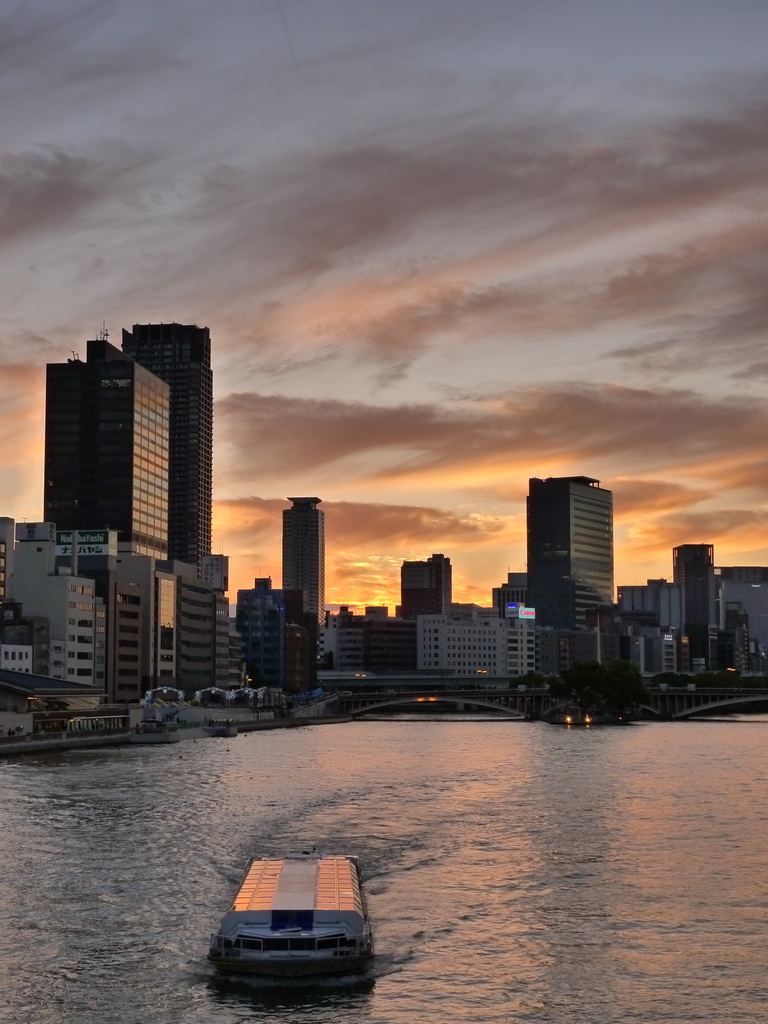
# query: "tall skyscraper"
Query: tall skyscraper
{"points": [[180, 355], [304, 553], [426, 588], [106, 448], [747, 584], [693, 565], [570, 549]]}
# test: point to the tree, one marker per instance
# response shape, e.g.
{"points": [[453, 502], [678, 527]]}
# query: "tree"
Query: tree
{"points": [[615, 688], [533, 680], [584, 683], [626, 688]]}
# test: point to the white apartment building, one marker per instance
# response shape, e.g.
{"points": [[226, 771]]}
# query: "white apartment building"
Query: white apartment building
{"points": [[75, 614], [16, 657], [479, 644]]}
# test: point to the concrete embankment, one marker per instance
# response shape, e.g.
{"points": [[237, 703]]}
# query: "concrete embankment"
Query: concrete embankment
{"points": [[40, 743], [292, 723]]}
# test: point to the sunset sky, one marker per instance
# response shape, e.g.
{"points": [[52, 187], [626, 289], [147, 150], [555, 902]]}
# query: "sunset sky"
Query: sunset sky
{"points": [[441, 247]]}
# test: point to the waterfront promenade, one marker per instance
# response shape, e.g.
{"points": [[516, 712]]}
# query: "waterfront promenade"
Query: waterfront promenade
{"points": [[27, 742]]}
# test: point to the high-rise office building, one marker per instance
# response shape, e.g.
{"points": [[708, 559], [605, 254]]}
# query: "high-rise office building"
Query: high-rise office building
{"points": [[261, 623], [304, 553], [426, 588], [106, 448], [180, 355], [693, 565], [747, 585], [513, 592], [570, 549]]}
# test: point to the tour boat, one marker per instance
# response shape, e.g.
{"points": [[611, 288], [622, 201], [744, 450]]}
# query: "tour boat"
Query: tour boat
{"points": [[296, 916]]}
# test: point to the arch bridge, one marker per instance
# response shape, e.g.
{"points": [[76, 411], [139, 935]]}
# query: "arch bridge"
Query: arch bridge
{"points": [[676, 704], [502, 703], [680, 704]]}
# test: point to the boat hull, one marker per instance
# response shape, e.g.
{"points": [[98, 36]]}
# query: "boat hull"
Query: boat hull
{"points": [[293, 967], [220, 730], [153, 737]]}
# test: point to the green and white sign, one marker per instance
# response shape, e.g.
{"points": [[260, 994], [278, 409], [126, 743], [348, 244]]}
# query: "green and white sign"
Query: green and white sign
{"points": [[89, 542]]}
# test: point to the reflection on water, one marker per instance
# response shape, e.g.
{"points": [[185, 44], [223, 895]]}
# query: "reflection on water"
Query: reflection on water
{"points": [[515, 872], [323, 999]]}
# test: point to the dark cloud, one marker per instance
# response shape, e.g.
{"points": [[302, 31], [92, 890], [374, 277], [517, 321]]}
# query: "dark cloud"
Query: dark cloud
{"points": [[566, 424], [523, 189], [356, 525], [85, 48], [745, 472], [756, 371], [48, 187], [633, 498], [27, 34], [733, 529]]}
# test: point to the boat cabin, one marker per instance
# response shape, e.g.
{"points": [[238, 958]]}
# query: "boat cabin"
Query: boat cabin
{"points": [[306, 908]]}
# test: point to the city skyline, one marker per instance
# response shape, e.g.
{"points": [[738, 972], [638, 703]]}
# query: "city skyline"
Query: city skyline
{"points": [[439, 253]]}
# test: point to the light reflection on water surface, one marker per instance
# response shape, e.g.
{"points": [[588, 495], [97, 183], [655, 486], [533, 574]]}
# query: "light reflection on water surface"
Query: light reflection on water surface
{"points": [[516, 872]]}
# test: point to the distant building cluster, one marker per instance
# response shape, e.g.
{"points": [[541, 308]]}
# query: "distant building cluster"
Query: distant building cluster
{"points": [[115, 590], [562, 610]]}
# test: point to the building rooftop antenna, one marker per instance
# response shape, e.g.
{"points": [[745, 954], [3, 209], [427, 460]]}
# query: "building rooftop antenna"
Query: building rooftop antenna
{"points": [[103, 333]]}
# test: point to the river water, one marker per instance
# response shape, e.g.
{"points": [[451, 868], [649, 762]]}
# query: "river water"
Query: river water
{"points": [[515, 872]]}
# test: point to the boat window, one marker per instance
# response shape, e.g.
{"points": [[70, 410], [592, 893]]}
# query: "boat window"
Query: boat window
{"points": [[282, 919], [251, 943], [302, 943], [327, 943], [275, 944]]}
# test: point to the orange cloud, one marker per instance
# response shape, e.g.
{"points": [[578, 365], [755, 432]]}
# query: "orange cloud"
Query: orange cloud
{"points": [[365, 543], [481, 441]]}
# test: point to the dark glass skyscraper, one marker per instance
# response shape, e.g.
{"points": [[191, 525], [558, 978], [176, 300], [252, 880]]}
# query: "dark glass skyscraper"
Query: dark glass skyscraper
{"points": [[570, 549], [106, 448], [180, 354], [304, 553], [693, 565]]}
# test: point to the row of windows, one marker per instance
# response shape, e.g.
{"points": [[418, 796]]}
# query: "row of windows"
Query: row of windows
{"points": [[77, 588], [12, 655]]}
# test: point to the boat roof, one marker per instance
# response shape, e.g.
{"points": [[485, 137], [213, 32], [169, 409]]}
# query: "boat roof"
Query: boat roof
{"points": [[311, 883]]}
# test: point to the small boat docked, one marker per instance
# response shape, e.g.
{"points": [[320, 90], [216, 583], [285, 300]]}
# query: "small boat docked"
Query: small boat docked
{"points": [[295, 917], [154, 732]]}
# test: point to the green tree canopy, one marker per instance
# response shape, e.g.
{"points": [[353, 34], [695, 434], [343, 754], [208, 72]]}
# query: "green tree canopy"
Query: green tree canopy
{"points": [[617, 687]]}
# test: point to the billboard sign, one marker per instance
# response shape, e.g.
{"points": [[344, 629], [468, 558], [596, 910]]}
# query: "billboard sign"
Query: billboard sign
{"points": [[214, 570], [35, 531], [515, 610], [89, 542]]}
